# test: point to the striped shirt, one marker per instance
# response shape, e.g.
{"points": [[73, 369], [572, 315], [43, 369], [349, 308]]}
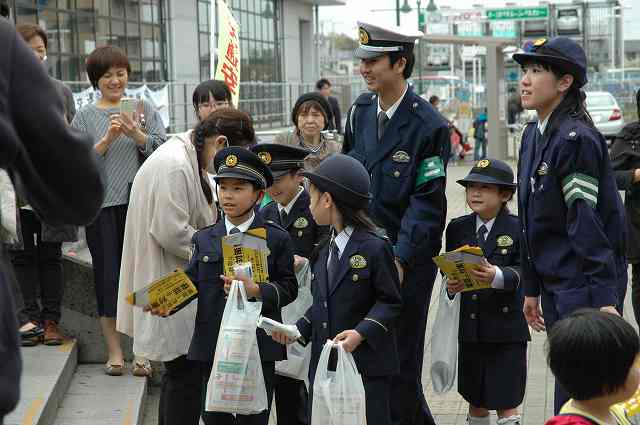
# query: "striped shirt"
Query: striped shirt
{"points": [[120, 162]]}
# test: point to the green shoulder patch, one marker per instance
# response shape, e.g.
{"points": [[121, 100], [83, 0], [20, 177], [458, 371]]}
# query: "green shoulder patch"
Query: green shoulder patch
{"points": [[430, 169]]}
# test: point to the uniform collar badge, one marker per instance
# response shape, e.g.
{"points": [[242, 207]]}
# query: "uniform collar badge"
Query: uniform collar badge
{"points": [[544, 169], [357, 262], [301, 223], [504, 241], [401, 156]]}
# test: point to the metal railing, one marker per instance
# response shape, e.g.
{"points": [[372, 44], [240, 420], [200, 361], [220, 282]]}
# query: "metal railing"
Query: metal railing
{"points": [[269, 104]]}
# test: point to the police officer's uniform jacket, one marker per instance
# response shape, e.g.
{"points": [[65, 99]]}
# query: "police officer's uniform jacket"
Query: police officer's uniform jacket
{"points": [[572, 215], [492, 315], [305, 233], [407, 169], [364, 297]]}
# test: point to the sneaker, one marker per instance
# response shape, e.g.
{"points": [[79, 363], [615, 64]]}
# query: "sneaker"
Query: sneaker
{"points": [[31, 337], [52, 335]]}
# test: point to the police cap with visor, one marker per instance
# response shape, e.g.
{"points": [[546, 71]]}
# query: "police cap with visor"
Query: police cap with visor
{"points": [[240, 163], [490, 171], [376, 40], [280, 159], [561, 52], [344, 178]]}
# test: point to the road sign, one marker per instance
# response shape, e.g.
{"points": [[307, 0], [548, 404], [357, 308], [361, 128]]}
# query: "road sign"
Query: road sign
{"points": [[521, 13]]}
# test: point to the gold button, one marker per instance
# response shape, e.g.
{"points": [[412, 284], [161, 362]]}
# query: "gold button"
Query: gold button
{"points": [[355, 278], [205, 259], [474, 297], [313, 276], [396, 174], [324, 325], [504, 252], [473, 316], [505, 309], [299, 233]]}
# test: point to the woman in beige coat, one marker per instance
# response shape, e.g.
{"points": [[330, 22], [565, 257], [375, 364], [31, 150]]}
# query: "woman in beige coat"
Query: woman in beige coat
{"points": [[170, 199]]}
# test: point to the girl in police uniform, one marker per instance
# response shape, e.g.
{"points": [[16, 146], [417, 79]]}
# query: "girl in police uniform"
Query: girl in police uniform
{"points": [[355, 286], [493, 333], [571, 213]]}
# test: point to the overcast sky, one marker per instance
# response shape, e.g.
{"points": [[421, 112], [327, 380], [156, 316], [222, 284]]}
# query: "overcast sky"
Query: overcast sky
{"points": [[343, 18]]}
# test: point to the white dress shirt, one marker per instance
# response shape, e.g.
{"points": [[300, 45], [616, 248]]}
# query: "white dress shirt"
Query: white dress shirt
{"points": [[287, 208], [341, 240], [498, 279], [392, 110], [242, 227]]}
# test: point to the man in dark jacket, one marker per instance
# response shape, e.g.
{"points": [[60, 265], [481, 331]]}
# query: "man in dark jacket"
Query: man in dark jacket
{"points": [[625, 159], [324, 87], [62, 185]]}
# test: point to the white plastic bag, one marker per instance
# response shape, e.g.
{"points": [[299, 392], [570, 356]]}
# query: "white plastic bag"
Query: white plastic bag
{"points": [[444, 342], [236, 384], [338, 397], [298, 357]]}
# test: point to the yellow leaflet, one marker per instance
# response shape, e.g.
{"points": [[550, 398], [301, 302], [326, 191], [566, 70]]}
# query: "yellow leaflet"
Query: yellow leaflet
{"points": [[632, 406], [457, 265], [249, 247], [168, 292]]}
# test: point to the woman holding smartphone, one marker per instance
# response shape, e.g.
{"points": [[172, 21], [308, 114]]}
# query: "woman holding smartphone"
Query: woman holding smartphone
{"points": [[122, 139]]}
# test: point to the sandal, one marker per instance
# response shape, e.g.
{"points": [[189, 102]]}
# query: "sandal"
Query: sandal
{"points": [[114, 369], [142, 369]]}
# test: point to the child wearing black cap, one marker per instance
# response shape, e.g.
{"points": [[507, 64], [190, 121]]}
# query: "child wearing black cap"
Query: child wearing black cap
{"points": [[593, 356], [493, 332], [242, 178], [573, 221], [355, 286], [291, 211]]}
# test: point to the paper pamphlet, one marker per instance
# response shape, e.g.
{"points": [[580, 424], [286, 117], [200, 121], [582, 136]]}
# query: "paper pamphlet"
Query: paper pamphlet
{"points": [[458, 263], [632, 406], [249, 247], [270, 325], [167, 292]]}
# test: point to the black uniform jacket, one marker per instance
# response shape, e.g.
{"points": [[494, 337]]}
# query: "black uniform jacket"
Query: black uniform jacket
{"points": [[302, 228], [492, 315], [366, 298], [204, 270]]}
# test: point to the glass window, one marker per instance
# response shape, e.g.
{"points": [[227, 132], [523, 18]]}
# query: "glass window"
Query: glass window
{"points": [[136, 70], [101, 7], [26, 15], [146, 11], [103, 32], [67, 32], [117, 8], [118, 37], [86, 33], [133, 10], [68, 68], [147, 41], [66, 4], [48, 21]]}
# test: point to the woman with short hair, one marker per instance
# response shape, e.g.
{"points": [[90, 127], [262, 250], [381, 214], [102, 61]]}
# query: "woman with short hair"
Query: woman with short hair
{"points": [[121, 141]]}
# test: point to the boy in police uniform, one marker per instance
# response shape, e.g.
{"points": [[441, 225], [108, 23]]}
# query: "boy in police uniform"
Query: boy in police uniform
{"points": [[403, 143], [571, 213], [242, 178], [291, 210], [493, 332]]}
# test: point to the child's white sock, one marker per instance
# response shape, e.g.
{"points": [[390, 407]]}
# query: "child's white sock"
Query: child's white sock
{"points": [[478, 420], [511, 420]]}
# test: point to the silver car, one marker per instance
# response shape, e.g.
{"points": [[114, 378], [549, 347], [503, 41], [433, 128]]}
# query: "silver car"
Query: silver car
{"points": [[606, 114]]}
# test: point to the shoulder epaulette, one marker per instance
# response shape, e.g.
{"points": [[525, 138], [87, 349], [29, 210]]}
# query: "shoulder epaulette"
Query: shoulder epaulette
{"points": [[366, 98], [274, 224]]}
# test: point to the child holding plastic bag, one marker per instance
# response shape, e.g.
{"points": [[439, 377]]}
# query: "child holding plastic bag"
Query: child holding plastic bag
{"points": [[492, 330], [242, 177], [291, 210], [356, 297]]}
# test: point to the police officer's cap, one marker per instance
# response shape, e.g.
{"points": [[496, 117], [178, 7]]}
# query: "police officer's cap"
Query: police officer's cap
{"points": [[281, 158], [240, 163], [561, 52], [490, 171], [344, 178], [376, 40]]}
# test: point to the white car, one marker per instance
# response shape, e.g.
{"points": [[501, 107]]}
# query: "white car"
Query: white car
{"points": [[568, 21], [605, 112]]}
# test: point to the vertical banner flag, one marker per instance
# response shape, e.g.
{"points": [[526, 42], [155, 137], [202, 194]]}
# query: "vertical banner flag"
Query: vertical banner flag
{"points": [[228, 55]]}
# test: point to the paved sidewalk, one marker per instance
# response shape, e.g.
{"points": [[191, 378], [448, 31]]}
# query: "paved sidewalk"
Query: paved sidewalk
{"points": [[450, 409]]}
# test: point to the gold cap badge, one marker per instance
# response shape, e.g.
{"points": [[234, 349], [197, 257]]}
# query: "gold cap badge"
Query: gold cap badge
{"points": [[483, 163], [265, 157], [363, 36], [231, 161], [539, 42]]}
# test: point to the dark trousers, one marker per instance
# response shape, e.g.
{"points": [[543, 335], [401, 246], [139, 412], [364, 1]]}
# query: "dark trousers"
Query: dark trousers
{"points": [[408, 405], [217, 418], [180, 396], [14, 286], [38, 268], [480, 149], [635, 290], [551, 316], [10, 359], [105, 237], [291, 401]]}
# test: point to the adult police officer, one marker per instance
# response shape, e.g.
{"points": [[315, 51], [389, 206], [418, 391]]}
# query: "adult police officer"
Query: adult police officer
{"points": [[571, 214], [401, 140]]}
